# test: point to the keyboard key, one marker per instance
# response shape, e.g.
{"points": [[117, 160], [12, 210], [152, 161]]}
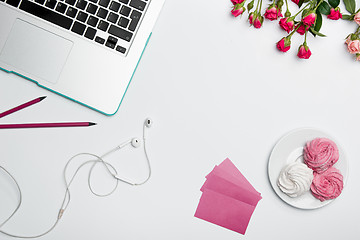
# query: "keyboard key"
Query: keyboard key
{"points": [[46, 14], [123, 22], [135, 18], [104, 3], [90, 33], [81, 4], [113, 17], [50, 4], [124, 1], [94, 1], [78, 28], [61, 7], [120, 33], [13, 3], [125, 10], [114, 6], [71, 12], [40, 1], [70, 2], [111, 42], [102, 13], [92, 21], [103, 25], [120, 49], [91, 8], [99, 40], [138, 4], [82, 16]]}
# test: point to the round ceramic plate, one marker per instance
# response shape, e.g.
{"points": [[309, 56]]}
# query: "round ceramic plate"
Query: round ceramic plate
{"points": [[290, 149]]}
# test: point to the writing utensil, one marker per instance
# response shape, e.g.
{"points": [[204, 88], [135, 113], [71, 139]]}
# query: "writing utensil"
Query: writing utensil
{"points": [[47, 125], [27, 104]]}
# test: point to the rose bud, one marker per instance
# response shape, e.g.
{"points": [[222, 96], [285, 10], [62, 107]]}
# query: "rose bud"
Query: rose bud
{"points": [[251, 18], [302, 29], [334, 14], [304, 51], [287, 24], [238, 10], [284, 44], [357, 18], [258, 22], [354, 46], [237, 1], [309, 19], [272, 13]]}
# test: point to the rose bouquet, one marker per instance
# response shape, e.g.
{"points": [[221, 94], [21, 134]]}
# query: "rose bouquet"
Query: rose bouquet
{"points": [[307, 19]]}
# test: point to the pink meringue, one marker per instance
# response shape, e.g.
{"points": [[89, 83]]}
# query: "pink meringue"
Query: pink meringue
{"points": [[327, 185], [320, 154]]}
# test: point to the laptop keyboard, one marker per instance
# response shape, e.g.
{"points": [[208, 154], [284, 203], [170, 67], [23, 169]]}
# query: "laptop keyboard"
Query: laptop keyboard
{"points": [[112, 23]]}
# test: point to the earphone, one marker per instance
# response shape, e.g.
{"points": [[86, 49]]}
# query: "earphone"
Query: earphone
{"points": [[134, 142]]}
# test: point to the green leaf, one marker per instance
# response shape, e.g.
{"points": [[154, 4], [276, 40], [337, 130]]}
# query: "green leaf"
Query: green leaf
{"points": [[334, 3], [350, 5], [318, 22], [316, 33], [347, 17], [324, 8]]}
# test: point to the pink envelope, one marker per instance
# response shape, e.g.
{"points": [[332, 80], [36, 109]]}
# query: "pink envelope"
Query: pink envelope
{"points": [[228, 171], [224, 211], [222, 186]]}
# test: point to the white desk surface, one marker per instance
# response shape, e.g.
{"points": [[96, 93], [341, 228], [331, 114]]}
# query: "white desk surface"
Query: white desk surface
{"points": [[215, 88]]}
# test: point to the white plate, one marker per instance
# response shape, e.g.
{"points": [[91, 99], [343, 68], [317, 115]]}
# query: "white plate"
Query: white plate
{"points": [[287, 150]]}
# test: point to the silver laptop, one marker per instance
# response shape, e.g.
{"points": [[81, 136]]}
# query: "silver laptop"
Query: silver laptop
{"points": [[85, 50]]}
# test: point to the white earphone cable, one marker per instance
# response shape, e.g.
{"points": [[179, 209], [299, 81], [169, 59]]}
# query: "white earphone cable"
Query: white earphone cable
{"points": [[67, 197]]}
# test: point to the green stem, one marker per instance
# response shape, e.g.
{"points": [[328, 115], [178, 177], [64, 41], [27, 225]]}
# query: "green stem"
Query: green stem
{"points": [[305, 37], [294, 30], [287, 6], [257, 5], [301, 10], [357, 30], [260, 7]]}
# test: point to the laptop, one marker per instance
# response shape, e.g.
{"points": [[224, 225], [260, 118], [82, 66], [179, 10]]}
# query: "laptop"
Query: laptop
{"points": [[84, 50]]}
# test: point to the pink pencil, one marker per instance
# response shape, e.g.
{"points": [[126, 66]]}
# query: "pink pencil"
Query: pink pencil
{"points": [[47, 125], [27, 104]]}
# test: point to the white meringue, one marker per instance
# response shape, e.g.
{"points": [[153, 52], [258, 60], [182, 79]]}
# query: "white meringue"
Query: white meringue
{"points": [[295, 179]]}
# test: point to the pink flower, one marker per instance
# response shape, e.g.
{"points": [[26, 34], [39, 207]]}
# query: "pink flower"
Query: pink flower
{"points": [[284, 44], [258, 22], [251, 18], [304, 52], [354, 46], [272, 13], [302, 29], [236, 1], [287, 24], [237, 10], [334, 14], [296, 1], [348, 39], [309, 19], [357, 18]]}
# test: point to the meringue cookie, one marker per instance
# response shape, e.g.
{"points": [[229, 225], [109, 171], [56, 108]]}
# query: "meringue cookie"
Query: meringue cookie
{"points": [[327, 185], [320, 154], [295, 179]]}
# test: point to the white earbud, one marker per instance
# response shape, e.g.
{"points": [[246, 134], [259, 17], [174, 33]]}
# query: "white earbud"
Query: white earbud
{"points": [[135, 142], [148, 122]]}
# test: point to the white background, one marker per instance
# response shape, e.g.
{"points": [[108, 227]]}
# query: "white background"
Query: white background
{"points": [[215, 88]]}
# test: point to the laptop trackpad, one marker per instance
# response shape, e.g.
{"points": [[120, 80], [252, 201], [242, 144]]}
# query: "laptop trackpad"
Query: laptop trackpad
{"points": [[35, 51]]}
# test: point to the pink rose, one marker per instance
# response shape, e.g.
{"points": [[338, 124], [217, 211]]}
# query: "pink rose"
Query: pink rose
{"points": [[302, 29], [354, 46], [296, 1], [237, 10], [284, 44], [357, 18], [348, 39], [251, 18], [236, 1], [327, 185], [287, 24], [272, 13], [304, 52], [258, 22], [309, 19], [334, 14]]}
